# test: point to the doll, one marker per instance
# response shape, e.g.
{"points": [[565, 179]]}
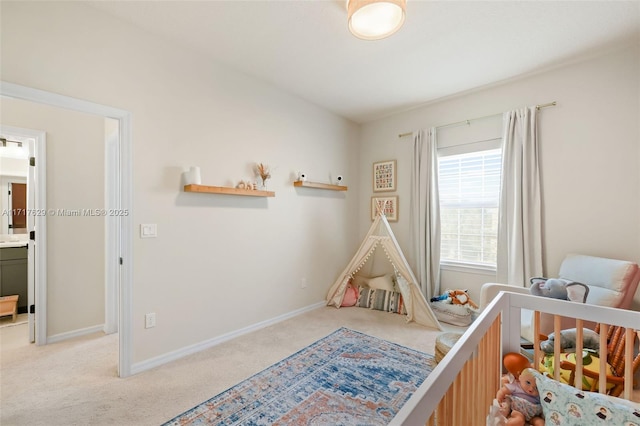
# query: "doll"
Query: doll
{"points": [[519, 398]]}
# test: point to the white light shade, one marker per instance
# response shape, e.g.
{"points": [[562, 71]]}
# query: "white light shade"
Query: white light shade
{"points": [[375, 19]]}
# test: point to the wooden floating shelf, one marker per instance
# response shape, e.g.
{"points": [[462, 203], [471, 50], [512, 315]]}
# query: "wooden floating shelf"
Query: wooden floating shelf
{"points": [[228, 190], [317, 185]]}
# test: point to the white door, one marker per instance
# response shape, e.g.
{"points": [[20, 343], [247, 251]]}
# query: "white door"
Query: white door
{"points": [[31, 252]]}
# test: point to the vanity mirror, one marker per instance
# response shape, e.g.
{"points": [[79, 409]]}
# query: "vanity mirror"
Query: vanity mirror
{"points": [[14, 167]]}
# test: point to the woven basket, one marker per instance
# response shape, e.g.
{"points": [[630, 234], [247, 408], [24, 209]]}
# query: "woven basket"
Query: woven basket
{"points": [[444, 343]]}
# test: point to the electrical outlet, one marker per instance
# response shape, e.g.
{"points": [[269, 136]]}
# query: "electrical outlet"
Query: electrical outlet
{"points": [[150, 320], [303, 283]]}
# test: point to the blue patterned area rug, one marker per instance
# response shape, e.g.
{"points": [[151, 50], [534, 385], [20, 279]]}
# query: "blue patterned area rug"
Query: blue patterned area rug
{"points": [[346, 378]]}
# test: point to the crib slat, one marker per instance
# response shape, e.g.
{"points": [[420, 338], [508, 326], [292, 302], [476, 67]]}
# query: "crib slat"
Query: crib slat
{"points": [[557, 348], [628, 363], [604, 354], [579, 343]]}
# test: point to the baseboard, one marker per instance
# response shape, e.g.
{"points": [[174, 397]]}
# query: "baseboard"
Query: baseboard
{"points": [[75, 333], [188, 350]]}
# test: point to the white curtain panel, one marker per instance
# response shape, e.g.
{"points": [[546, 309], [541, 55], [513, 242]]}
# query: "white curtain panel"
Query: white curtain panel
{"points": [[520, 225], [425, 211]]}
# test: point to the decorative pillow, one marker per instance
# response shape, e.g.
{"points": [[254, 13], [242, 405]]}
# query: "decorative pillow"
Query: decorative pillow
{"points": [[382, 282], [365, 297], [566, 405], [604, 296], [452, 314], [590, 362], [350, 296], [400, 282], [388, 301]]}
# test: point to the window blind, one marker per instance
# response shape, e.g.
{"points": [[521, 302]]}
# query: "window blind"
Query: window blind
{"points": [[469, 186]]}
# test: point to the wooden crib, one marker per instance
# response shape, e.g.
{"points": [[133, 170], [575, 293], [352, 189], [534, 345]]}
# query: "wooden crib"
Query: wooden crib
{"points": [[461, 389]]}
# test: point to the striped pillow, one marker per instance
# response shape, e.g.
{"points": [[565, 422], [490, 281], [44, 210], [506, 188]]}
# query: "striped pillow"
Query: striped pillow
{"points": [[365, 296], [389, 301]]}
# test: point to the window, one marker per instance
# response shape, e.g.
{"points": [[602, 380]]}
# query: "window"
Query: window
{"points": [[469, 186]]}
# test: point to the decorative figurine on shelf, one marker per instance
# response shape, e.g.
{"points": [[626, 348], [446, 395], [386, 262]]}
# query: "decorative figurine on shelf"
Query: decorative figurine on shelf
{"points": [[245, 185], [264, 173], [518, 396]]}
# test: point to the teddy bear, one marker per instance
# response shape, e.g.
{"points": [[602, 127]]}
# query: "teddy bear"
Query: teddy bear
{"points": [[518, 396], [558, 288]]}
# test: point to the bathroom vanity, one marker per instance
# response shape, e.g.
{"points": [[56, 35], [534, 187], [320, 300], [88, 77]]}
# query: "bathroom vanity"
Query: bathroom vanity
{"points": [[13, 272]]}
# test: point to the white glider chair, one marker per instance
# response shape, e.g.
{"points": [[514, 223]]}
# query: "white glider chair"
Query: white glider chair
{"points": [[611, 282]]}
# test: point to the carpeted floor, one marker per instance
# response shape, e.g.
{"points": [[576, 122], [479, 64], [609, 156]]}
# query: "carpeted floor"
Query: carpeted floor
{"points": [[75, 382]]}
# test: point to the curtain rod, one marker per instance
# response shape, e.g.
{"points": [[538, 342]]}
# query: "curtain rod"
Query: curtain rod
{"points": [[457, 123]]}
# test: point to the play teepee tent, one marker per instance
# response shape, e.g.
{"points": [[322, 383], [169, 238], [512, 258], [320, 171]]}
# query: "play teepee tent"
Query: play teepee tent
{"points": [[380, 235]]}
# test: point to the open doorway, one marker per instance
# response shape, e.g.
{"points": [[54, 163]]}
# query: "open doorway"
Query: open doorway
{"points": [[116, 198], [19, 255]]}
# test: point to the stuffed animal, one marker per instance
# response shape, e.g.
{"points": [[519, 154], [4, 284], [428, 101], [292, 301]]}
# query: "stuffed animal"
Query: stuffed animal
{"points": [[559, 288], [519, 399], [590, 340], [455, 297], [461, 297], [444, 297]]}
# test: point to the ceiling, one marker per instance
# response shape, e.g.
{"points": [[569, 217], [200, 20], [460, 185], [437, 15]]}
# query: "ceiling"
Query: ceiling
{"points": [[445, 47]]}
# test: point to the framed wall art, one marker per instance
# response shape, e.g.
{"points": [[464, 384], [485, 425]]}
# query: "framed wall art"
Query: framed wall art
{"points": [[384, 176], [389, 204]]}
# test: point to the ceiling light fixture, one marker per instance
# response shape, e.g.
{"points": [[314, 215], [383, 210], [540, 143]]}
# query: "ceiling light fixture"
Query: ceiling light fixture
{"points": [[375, 19]]}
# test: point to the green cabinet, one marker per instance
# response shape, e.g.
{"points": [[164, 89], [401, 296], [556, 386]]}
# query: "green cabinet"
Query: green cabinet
{"points": [[13, 274]]}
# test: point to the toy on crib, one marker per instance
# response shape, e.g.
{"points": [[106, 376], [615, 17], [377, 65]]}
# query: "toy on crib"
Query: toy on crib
{"points": [[590, 340], [518, 396], [558, 288], [455, 297]]}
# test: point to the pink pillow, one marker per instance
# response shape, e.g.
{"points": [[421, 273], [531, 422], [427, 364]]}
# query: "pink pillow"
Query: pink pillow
{"points": [[350, 296]]}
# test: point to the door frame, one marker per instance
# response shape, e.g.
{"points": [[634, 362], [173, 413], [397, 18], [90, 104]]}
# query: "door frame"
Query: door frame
{"points": [[37, 250], [120, 258]]}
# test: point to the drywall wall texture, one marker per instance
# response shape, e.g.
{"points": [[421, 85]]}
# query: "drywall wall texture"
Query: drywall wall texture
{"points": [[75, 181], [219, 263], [589, 155]]}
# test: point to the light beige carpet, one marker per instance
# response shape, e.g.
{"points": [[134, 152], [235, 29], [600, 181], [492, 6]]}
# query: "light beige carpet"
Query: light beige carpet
{"points": [[75, 382]]}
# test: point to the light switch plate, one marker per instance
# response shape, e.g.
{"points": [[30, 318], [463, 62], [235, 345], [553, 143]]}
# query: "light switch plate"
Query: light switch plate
{"points": [[148, 230]]}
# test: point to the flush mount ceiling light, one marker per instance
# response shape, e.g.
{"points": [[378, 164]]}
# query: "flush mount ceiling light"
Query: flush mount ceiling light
{"points": [[375, 19]]}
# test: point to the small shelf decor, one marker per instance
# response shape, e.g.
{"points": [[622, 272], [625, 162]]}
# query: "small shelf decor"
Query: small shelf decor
{"points": [[228, 190], [318, 185], [384, 176], [264, 172]]}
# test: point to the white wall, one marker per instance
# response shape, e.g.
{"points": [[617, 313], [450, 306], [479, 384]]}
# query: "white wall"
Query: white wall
{"points": [[75, 181], [220, 263], [590, 156]]}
